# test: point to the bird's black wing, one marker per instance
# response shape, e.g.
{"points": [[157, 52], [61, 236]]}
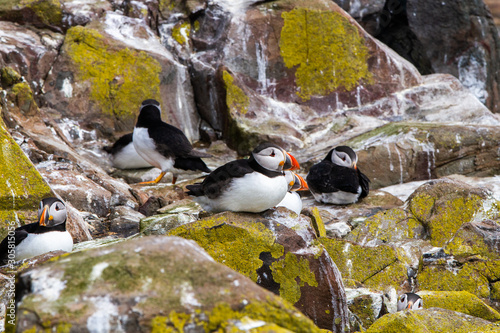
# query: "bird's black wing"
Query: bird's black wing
{"points": [[171, 142], [19, 235], [327, 177], [119, 144], [220, 178], [191, 163], [365, 184]]}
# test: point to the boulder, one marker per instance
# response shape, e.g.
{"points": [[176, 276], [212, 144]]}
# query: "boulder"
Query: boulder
{"points": [[433, 320], [277, 250], [147, 284], [459, 301]]}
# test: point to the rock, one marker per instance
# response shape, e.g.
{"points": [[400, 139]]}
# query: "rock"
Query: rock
{"points": [[460, 301], [147, 284], [21, 186], [366, 305], [109, 101], [276, 250], [124, 221], [443, 206], [378, 268], [431, 320], [41, 14]]}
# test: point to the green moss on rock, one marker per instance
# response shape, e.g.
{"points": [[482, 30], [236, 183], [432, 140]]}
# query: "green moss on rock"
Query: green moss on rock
{"points": [[327, 49], [237, 245], [181, 33], [236, 100], [9, 77], [24, 98], [49, 11], [292, 273], [120, 78], [459, 301], [377, 267], [317, 222]]}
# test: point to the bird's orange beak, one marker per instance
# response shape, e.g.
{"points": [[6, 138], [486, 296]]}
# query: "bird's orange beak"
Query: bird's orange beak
{"points": [[303, 184], [44, 217], [410, 304], [290, 162]]}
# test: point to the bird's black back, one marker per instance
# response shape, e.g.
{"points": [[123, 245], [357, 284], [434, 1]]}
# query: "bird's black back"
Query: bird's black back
{"points": [[119, 144], [327, 177]]}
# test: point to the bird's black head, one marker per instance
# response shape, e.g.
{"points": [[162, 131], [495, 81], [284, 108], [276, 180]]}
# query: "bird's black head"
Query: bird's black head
{"points": [[150, 113], [51, 212], [344, 156]]}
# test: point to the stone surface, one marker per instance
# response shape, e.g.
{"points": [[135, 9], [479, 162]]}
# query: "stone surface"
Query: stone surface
{"points": [[431, 320], [151, 283], [276, 250]]}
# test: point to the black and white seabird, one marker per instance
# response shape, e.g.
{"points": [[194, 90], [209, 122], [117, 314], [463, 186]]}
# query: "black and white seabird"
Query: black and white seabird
{"points": [[336, 179], [163, 145], [124, 155], [292, 199], [410, 301], [248, 185], [46, 235]]}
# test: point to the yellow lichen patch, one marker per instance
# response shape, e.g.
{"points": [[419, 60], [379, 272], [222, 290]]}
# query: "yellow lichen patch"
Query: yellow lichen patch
{"points": [[237, 246], [181, 32], [236, 99], [326, 47], [317, 223], [49, 11], [24, 98], [119, 78], [292, 273]]}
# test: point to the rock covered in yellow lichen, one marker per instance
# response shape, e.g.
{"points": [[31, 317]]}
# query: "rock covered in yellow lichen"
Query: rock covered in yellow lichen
{"points": [[157, 284], [279, 251]]}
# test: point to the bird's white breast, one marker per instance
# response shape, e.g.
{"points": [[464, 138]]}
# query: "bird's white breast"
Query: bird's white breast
{"points": [[253, 193], [128, 158], [292, 201], [37, 244], [146, 148]]}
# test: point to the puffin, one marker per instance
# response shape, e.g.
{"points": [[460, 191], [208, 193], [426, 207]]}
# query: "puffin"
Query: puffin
{"points": [[46, 235], [292, 199], [337, 179], [247, 185], [164, 146], [410, 301], [124, 155]]}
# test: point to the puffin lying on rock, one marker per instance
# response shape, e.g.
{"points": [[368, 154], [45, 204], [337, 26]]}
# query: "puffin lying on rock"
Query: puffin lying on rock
{"points": [[124, 155], [163, 145], [292, 199], [248, 185], [46, 235], [410, 301], [337, 179]]}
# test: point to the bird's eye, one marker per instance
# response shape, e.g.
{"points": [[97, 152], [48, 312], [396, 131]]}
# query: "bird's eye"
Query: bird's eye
{"points": [[272, 154], [402, 298]]}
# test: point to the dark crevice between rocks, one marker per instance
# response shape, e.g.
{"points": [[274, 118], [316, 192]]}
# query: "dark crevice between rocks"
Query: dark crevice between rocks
{"points": [[265, 275]]}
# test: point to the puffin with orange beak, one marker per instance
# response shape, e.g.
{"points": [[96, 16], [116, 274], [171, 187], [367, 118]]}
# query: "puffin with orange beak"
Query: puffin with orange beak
{"points": [[337, 179], [247, 185], [46, 235], [410, 301], [292, 199]]}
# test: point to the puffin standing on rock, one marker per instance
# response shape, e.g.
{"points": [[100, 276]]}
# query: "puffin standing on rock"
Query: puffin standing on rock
{"points": [[292, 199], [124, 155], [46, 235], [163, 145], [337, 179], [248, 185]]}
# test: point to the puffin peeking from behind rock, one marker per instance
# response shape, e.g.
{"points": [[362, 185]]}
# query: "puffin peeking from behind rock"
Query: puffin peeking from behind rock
{"points": [[124, 155], [336, 179], [163, 145], [292, 199], [247, 185], [46, 235], [410, 301]]}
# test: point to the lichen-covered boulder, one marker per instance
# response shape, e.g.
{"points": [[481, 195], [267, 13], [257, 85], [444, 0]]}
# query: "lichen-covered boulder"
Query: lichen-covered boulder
{"points": [[459, 301], [278, 251], [148, 284], [444, 205], [21, 186], [433, 320], [378, 268], [107, 68], [365, 306]]}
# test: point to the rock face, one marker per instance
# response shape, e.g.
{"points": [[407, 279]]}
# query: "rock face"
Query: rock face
{"points": [[278, 252], [153, 284]]}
